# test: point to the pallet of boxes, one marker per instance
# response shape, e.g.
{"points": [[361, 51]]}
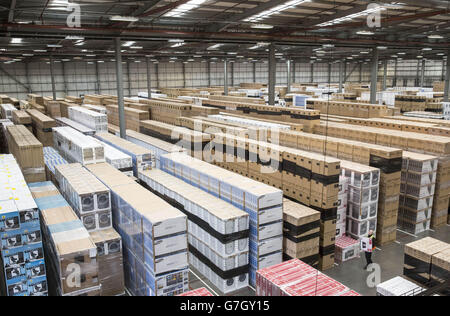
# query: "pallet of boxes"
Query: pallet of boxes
{"points": [[42, 127], [427, 262]]}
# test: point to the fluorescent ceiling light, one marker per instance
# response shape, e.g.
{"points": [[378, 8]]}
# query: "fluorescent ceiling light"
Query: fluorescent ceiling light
{"points": [[441, 54], [80, 43], [435, 36], [232, 53], [177, 45], [59, 5], [215, 46], [182, 9], [382, 47], [262, 26], [136, 47], [128, 44], [275, 10], [74, 38], [427, 49], [27, 55], [365, 33], [110, 51], [40, 50], [120, 18], [90, 55], [54, 46], [197, 56], [176, 41], [401, 53], [16, 40], [65, 59]]}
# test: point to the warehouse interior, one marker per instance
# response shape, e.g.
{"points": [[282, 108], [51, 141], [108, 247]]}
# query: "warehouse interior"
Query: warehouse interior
{"points": [[321, 124]]}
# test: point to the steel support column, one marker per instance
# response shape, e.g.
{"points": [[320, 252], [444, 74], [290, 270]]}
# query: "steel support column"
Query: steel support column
{"points": [[394, 81], [374, 76], [443, 70], [157, 74], [119, 78], [341, 81], [225, 77], [254, 72], [97, 87], [329, 73], [232, 74], [360, 72], [66, 91], [422, 76], [183, 66], [311, 74], [129, 79], [293, 72], [209, 73], [418, 74], [149, 79], [52, 75], [272, 74], [289, 76], [385, 69]]}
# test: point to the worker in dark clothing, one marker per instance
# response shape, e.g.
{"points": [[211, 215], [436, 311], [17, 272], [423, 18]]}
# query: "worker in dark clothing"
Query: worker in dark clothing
{"points": [[369, 252]]}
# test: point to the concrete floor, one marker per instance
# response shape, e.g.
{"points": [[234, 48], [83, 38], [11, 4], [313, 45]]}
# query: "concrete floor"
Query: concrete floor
{"points": [[351, 273]]}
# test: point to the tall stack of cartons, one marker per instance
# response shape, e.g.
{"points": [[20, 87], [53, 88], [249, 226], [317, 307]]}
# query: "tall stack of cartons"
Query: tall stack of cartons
{"points": [[67, 244], [83, 129], [167, 112], [4, 136], [417, 192], [218, 233], [440, 270], [6, 111], [132, 116], [363, 192], [110, 261], [42, 127], [420, 257], [341, 220], [439, 216], [76, 147], [301, 232], [52, 159], [52, 107], [117, 158], [22, 118], [28, 152], [91, 119], [263, 203], [90, 198], [154, 236], [22, 266], [142, 158]]}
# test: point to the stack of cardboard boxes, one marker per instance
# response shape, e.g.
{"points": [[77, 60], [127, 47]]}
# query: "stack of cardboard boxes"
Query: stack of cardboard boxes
{"points": [[28, 152], [22, 118], [347, 108], [91, 119], [22, 266], [42, 127], [67, 244], [133, 117], [417, 192], [409, 103]]}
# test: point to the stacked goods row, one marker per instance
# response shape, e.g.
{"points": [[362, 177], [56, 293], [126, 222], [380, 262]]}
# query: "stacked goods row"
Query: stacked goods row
{"points": [[52, 159], [4, 136], [22, 118], [346, 108], [398, 286], [91, 119], [4, 99], [207, 126], [96, 99], [345, 96], [417, 192], [64, 108], [89, 198], [42, 127], [36, 99], [408, 103], [237, 99], [76, 147], [110, 262], [347, 248], [63, 121], [157, 146], [296, 278], [400, 125], [142, 158], [362, 200], [309, 118], [22, 266], [243, 122], [6, 111], [154, 236], [438, 86], [167, 112], [28, 152], [438, 146], [263, 203], [96, 108], [427, 262], [73, 99], [198, 292], [67, 245], [52, 107], [301, 230], [117, 158], [132, 116], [341, 218], [193, 141], [218, 232]]}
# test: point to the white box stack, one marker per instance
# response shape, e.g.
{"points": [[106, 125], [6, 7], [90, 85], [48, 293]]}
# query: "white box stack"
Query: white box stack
{"points": [[218, 233], [417, 192], [96, 121], [64, 121], [117, 159], [398, 286], [90, 198], [6, 111], [96, 108], [446, 110], [3, 139], [76, 147], [52, 159], [341, 221], [263, 203], [363, 191]]}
